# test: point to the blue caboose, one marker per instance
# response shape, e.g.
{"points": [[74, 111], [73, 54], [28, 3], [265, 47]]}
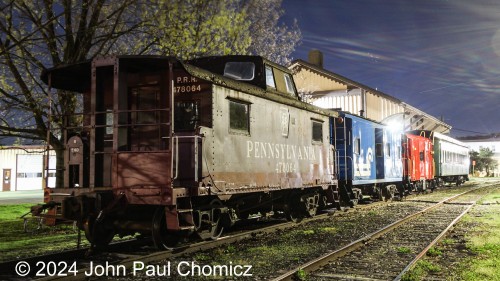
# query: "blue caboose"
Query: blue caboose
{"points": [[369, 158]]}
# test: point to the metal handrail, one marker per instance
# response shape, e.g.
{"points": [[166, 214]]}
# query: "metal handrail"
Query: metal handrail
{"points": [[175, 151]]}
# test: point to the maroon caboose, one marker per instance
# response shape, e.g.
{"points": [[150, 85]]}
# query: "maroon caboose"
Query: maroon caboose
{"points": [[167, 148], [418, 163]]}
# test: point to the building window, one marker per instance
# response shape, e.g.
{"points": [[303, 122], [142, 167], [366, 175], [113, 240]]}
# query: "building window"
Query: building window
{"points": [[239, 116], [317, 131], [270, 77], [289, 84], [240, 70], [29, 175]]}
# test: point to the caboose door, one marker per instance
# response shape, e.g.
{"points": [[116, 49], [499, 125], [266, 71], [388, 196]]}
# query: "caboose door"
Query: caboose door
{"points": [[379, 153], [187, 143]]}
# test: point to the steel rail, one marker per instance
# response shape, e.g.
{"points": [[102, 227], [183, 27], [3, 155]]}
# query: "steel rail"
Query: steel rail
{"points": [[192, 248], [412, 264], [317, 263], [207, 245]]}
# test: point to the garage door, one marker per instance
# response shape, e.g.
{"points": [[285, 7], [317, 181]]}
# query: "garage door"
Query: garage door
{"points": [[29, 172]]}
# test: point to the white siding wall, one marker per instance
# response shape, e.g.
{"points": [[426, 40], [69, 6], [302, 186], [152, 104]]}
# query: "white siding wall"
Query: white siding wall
{"points": [[350, 101], [26, 167]]}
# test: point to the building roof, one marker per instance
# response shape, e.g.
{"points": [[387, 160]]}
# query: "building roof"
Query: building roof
{"points": [[482, 138], [338, 78], [298, 64]]}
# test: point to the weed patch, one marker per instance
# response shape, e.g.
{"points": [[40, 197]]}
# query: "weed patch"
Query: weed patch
{"points": [[404, 250], [434, 252], [485, 242]]}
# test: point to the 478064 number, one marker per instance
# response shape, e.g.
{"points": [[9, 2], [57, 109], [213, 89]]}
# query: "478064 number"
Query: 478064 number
{"points": [[188, 89]]}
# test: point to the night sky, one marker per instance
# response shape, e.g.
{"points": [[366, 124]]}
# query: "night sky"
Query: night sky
{"points": [[442, 57]]}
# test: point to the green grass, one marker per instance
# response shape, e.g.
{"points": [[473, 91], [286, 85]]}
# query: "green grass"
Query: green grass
{"points": [[420, 270], [308, 232], [483, 245], [404, 250], [328, 229], [13, 212], [16, 243], [428, 266], [434, 252], [447, 242], [301, 275], [485, 242], [492, 198]]}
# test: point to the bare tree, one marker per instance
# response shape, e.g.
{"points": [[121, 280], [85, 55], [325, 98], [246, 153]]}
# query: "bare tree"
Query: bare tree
{"points": [[36, 35], [271, 39], [39, 34]]}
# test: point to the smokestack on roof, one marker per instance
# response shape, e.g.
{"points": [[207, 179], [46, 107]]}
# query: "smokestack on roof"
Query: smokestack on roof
{"points": [[316, 58]]}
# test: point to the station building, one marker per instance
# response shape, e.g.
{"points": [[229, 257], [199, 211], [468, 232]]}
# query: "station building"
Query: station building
{"points": [[22, 167], [327, 89]]}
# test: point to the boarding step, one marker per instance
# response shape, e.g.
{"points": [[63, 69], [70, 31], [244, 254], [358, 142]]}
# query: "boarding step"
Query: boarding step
{"points": [[184, 210]]}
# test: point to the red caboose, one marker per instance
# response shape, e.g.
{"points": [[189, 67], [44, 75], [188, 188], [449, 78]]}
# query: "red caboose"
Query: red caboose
{"points": [[418, 165]]}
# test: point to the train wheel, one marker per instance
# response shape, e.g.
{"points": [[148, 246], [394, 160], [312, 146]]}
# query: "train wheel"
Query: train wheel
{"points": [[311, 203], [212, 222], [97, 233], [162, 237], [294, 209]]}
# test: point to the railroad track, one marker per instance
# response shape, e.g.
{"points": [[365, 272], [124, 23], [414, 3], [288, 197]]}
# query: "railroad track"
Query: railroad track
{"points": [[125, 253], [388, 253], [128, 252], [148, 255]]}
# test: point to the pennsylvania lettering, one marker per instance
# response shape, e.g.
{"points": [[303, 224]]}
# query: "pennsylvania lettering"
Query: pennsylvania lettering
{"points": [[257, 149]]}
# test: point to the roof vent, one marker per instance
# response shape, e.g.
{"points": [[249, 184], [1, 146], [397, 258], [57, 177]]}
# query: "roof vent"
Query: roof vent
{"points": [[316, 58]]}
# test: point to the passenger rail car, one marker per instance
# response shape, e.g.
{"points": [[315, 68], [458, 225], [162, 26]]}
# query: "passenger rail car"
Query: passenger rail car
{"points": [[170, 148], [369, 158], [451, 158]]}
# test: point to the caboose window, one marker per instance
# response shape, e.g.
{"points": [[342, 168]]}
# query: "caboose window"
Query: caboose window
{"points": [[357, 146], [109, 122], [317, 131], [240, 70], [239, 116], [270, 77], [379, 150], [187, 115], [388, 149]]}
